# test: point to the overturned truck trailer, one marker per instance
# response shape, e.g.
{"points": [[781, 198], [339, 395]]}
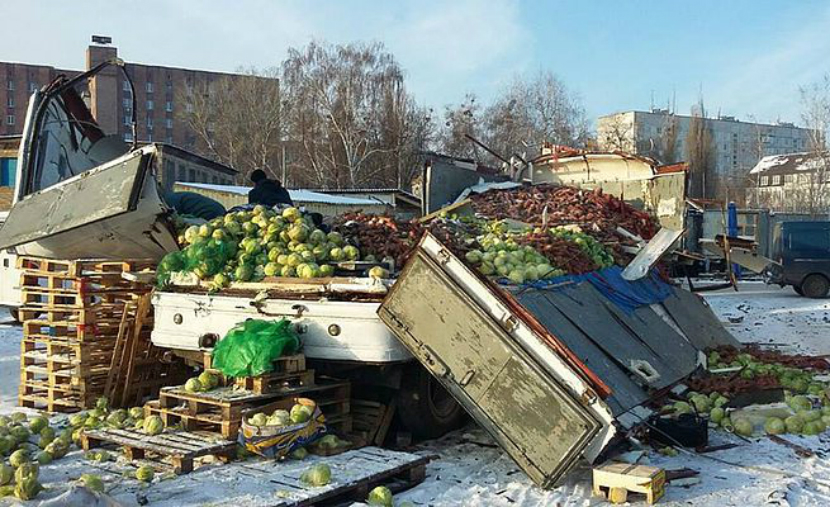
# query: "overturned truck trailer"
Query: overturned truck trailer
{"points": [[552, 373]]}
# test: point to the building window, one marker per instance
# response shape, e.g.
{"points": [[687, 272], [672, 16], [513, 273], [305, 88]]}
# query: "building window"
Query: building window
{"points": [[168, 139], [125, 85], [168, 123], [169, 106], [182, 173], [32, 86], [169, 85], [192, 174], [764, 181], [10, 119], [128, 120], [127, 103], [149, 105], [789, 178], [10, 85], [188, 107], [10, 101], [149, 87], [150, 136], [128, 137], [776, 179], [150, 122]]}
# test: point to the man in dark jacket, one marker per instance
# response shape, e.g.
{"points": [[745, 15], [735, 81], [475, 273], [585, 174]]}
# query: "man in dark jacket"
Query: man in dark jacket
{"points": [[267, 192]]}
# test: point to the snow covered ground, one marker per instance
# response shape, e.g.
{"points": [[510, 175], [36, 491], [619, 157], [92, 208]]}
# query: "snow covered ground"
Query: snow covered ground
{"points": [[472, 470]]}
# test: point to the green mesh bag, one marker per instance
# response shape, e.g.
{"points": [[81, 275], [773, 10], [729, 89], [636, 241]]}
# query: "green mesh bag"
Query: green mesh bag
{"points": [[251, 348]]}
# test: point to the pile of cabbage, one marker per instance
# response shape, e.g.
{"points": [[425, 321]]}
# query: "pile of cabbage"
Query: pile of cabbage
{"points": [[299, 413], [247, 246], [103, 417], [206, 381], [28, 444], [515, 254], [807, 410]]}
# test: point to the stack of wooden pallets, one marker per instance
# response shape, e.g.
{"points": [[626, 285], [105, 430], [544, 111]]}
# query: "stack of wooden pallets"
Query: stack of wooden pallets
{"points": [[222, 409], [73, 313]]}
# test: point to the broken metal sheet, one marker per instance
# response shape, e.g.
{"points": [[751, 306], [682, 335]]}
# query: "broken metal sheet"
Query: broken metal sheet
{"points": [[696, 319], [625, 393], [588, 310], [653, 251], [92, 196]]}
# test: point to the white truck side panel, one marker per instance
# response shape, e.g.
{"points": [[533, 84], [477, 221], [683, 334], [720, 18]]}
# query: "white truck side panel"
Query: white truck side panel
{"points": [[363, 336]]}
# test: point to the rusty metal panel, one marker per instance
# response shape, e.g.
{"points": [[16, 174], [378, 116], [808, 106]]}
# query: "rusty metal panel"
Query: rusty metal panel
{"points": [[540, 424], [697, 321], [95, 195], [543, 305]]}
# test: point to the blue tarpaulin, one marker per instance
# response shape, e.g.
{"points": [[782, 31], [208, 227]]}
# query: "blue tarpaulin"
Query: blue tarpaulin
{"points": [[609, 282]]}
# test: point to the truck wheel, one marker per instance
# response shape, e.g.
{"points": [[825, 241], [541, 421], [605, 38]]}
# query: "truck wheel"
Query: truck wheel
{"points": [[815, 286], [425, 407], [797, 289]]}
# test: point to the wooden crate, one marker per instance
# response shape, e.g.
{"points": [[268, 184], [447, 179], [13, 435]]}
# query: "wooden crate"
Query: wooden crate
{"points": [[615, 481], [181, 448], [224, 410]]}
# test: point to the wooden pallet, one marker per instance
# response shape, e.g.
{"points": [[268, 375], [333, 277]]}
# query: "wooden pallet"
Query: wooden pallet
{"points": [[275, 382], [179, 447], [71, 332], [372, 419], [82, 267], [226, 418], [370, 467], [110, 315], [52, 300], [285, 364]]}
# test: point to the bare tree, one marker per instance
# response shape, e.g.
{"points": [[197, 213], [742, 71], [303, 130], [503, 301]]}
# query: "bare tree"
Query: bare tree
{"points": [[668, 140], [460, 121], [700, 155], [236, 119], [811, 193], [532, 111], [616, 134], [350, 115]]}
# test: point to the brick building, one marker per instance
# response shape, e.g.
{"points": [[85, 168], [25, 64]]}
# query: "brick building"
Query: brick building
{"points": [[158, 95]]}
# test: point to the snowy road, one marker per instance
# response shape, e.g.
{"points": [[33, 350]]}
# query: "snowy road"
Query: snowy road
{"points": [[473, 471]]}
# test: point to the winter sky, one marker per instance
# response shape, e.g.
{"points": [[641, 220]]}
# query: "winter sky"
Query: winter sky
{"points": [[747, 57]]}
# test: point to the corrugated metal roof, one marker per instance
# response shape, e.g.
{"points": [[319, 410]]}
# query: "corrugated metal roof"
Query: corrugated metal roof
{"points": [[297, 195]]}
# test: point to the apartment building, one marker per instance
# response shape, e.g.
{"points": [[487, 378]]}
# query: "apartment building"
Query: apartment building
{"points": [[738, 145], [160, 95]]}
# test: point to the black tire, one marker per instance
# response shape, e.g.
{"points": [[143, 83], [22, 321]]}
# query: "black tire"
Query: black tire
{"points": [[815, 286], [424, 407], [797, 289]]}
